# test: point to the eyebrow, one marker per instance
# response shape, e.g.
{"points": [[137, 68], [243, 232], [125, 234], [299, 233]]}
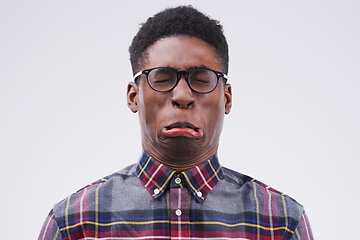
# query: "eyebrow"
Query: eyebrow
{"points": [[192, 67], [201, 66]]}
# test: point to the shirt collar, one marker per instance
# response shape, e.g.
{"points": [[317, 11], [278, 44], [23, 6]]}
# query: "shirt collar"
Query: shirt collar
{"points": [[200, 179]]}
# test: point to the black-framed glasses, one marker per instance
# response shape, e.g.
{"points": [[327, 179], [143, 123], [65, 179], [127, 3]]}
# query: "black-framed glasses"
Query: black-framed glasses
{"points": [[200, 80]]}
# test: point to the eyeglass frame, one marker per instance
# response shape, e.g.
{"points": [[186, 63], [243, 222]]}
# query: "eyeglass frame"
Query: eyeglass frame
{"points": [[179, 74]]}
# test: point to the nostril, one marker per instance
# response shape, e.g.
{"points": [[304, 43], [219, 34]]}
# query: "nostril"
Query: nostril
{"points": [[184, 105], [176, 104], [189, 105]]}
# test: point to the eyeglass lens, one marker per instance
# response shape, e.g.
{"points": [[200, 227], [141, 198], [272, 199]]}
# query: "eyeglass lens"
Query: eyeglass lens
{"points": [[200, 80]]}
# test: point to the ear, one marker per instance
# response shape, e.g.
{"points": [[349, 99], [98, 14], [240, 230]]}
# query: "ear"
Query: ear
{"points": [[227, 98], [133, 96]]}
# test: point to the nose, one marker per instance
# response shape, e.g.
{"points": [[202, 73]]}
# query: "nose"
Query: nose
{"points": [[182, 95]]}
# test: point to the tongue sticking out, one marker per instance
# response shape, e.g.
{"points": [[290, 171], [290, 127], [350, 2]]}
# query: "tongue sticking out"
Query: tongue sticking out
{"points": [[182, 132]]}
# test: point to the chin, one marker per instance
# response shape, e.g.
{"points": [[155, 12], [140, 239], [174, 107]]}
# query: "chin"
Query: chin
{"points": [[182, 146]]}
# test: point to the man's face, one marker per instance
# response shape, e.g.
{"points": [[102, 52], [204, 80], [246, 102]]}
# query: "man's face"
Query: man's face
{"points": [[181, 122]]}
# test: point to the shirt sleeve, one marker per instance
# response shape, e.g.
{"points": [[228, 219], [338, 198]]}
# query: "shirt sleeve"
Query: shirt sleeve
{"points": [[50, 230], [303, 230]]}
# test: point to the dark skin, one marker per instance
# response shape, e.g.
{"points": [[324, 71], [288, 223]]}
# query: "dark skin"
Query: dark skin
{"points": [[181, 109]]}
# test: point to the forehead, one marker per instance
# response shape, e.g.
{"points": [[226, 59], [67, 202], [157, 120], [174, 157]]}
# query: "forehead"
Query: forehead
{"points": [[182, 53]]}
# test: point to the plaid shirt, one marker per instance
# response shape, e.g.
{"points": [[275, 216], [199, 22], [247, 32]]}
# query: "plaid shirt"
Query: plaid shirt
{"points": [[205, 202]]}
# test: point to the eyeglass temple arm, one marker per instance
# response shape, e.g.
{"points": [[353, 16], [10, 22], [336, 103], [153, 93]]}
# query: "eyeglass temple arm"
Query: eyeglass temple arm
{"points": [[220, 74], [137, 74]]}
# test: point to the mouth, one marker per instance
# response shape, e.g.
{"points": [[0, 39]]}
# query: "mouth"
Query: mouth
{"points": [[187, 130]]}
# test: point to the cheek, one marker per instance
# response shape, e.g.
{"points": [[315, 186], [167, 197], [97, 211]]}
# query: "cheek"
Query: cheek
{"points": [[214, 112], [150, 109]]}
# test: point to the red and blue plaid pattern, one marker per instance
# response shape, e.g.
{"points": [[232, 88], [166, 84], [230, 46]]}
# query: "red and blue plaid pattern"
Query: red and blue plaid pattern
{"points": [[205, 202], [200, 179]]}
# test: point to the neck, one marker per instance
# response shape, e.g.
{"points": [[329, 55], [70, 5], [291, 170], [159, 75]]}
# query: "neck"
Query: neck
{"points": [[180, 161]]}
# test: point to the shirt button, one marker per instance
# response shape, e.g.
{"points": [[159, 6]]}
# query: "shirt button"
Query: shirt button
{"points": [[199, 194], [177, 180], [178, 212], [156, 191]]}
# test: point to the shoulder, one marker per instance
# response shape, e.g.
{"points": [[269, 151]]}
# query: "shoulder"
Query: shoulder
{"points": [[87, 198], [120, 176], [256, 202], [260, 195]]}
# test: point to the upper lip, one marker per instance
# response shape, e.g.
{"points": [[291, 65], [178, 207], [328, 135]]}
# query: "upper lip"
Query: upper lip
{"points": [[182, 125]]}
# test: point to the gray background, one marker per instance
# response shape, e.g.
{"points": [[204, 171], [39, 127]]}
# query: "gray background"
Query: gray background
{"points": [[64, 122]]}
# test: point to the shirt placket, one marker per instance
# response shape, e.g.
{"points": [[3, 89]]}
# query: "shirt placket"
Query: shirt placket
{"points": [[179, 204]]}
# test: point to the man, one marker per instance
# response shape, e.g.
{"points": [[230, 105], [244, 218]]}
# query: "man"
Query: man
{"points": [[178, 189]]}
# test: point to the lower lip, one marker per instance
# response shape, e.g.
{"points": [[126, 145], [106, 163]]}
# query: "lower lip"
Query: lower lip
{"points": [[182, 132]]}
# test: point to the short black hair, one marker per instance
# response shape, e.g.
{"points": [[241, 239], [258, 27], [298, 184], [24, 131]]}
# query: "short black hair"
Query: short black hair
{"points": [[181, 20]]}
